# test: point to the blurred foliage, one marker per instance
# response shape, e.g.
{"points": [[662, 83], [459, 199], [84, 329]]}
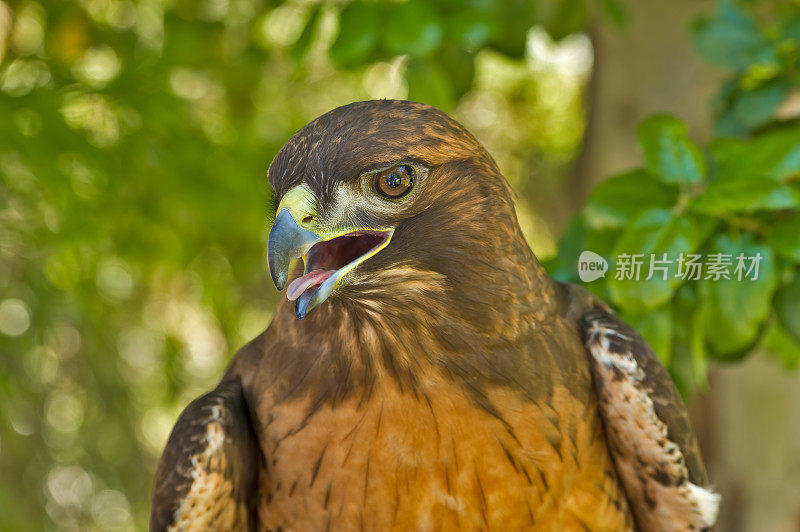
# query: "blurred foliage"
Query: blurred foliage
{"points": [[765, 59], [440, 39], [739, 194], [134, 141]]}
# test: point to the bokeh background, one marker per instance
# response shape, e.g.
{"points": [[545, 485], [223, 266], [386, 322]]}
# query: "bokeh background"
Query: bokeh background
{"points": [[135, 137]]}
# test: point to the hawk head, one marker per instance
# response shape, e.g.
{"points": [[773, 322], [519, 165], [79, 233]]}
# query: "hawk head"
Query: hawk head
{"points": [[377, 196]]}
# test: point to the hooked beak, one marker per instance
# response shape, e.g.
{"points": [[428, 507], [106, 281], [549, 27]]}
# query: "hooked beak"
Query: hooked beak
{"points": [[287, 242], [327, 255]]}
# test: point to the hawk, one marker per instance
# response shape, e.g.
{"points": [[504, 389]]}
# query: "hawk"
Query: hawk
{"points": [[422, 371]]}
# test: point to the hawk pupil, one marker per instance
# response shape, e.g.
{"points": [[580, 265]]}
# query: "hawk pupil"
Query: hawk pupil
{"points": [[394, 182]]}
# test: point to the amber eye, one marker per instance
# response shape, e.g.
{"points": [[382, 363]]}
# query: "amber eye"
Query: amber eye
{"points": [[393, 182]]}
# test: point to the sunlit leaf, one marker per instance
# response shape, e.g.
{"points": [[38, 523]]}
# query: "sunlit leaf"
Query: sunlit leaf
{"points": [[775, 155], [745, 194], [668, 152], [619, 199]]}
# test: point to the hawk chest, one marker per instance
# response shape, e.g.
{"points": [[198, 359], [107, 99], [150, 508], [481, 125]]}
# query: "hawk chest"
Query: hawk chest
{"points": [[436, 460]]}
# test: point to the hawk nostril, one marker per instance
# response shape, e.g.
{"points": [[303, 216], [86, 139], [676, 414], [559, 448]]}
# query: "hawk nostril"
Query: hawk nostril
{"points": [[308, 219]]}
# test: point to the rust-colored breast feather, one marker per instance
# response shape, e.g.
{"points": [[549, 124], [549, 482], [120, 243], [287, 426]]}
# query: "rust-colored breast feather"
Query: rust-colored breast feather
{"points": [[444, 453], [449, 452], [437, 461]]}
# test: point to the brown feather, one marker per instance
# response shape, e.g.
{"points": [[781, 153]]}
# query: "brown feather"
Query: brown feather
{"points": [[654, 447], [206, 476]]}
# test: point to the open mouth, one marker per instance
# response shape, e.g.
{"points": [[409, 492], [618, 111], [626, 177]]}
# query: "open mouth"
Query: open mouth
{"points": [[327, 262]]}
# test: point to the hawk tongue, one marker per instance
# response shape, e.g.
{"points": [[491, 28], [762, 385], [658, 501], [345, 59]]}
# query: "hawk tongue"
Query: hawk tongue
{"points": [[301, 284]]}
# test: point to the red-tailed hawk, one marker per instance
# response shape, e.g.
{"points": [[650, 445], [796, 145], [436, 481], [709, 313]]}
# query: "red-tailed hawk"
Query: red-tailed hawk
{"points": [[422, 371]]}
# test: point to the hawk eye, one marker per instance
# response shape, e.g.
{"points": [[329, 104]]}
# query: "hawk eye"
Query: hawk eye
{"points": [[393, 182]]}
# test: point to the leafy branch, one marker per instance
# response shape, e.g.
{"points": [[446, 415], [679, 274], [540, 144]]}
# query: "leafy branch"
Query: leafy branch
{"points": [[739, 194]]}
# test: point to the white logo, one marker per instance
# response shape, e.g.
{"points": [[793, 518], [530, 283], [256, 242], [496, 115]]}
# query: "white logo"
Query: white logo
{"points": [[591, 266]]}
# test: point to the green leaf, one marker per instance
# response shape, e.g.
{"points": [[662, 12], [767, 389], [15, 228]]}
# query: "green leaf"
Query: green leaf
{"points": [[428, 83], [727, 125], [726, 150], [745, 194], [689, 365], [729, 39], [784, 236], [781, 345], [655, 233], [757, 107], [775, 155], [787, 305], [618, 200], [778, 153], [413, 28], [358, 34], [737, 308], [668, 152], [759, 74], [655, 326], [303, 42]]}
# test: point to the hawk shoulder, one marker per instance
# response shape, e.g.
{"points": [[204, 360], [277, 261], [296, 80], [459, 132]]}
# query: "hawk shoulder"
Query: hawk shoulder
{"points": [[206, 478], [647, 427]]}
